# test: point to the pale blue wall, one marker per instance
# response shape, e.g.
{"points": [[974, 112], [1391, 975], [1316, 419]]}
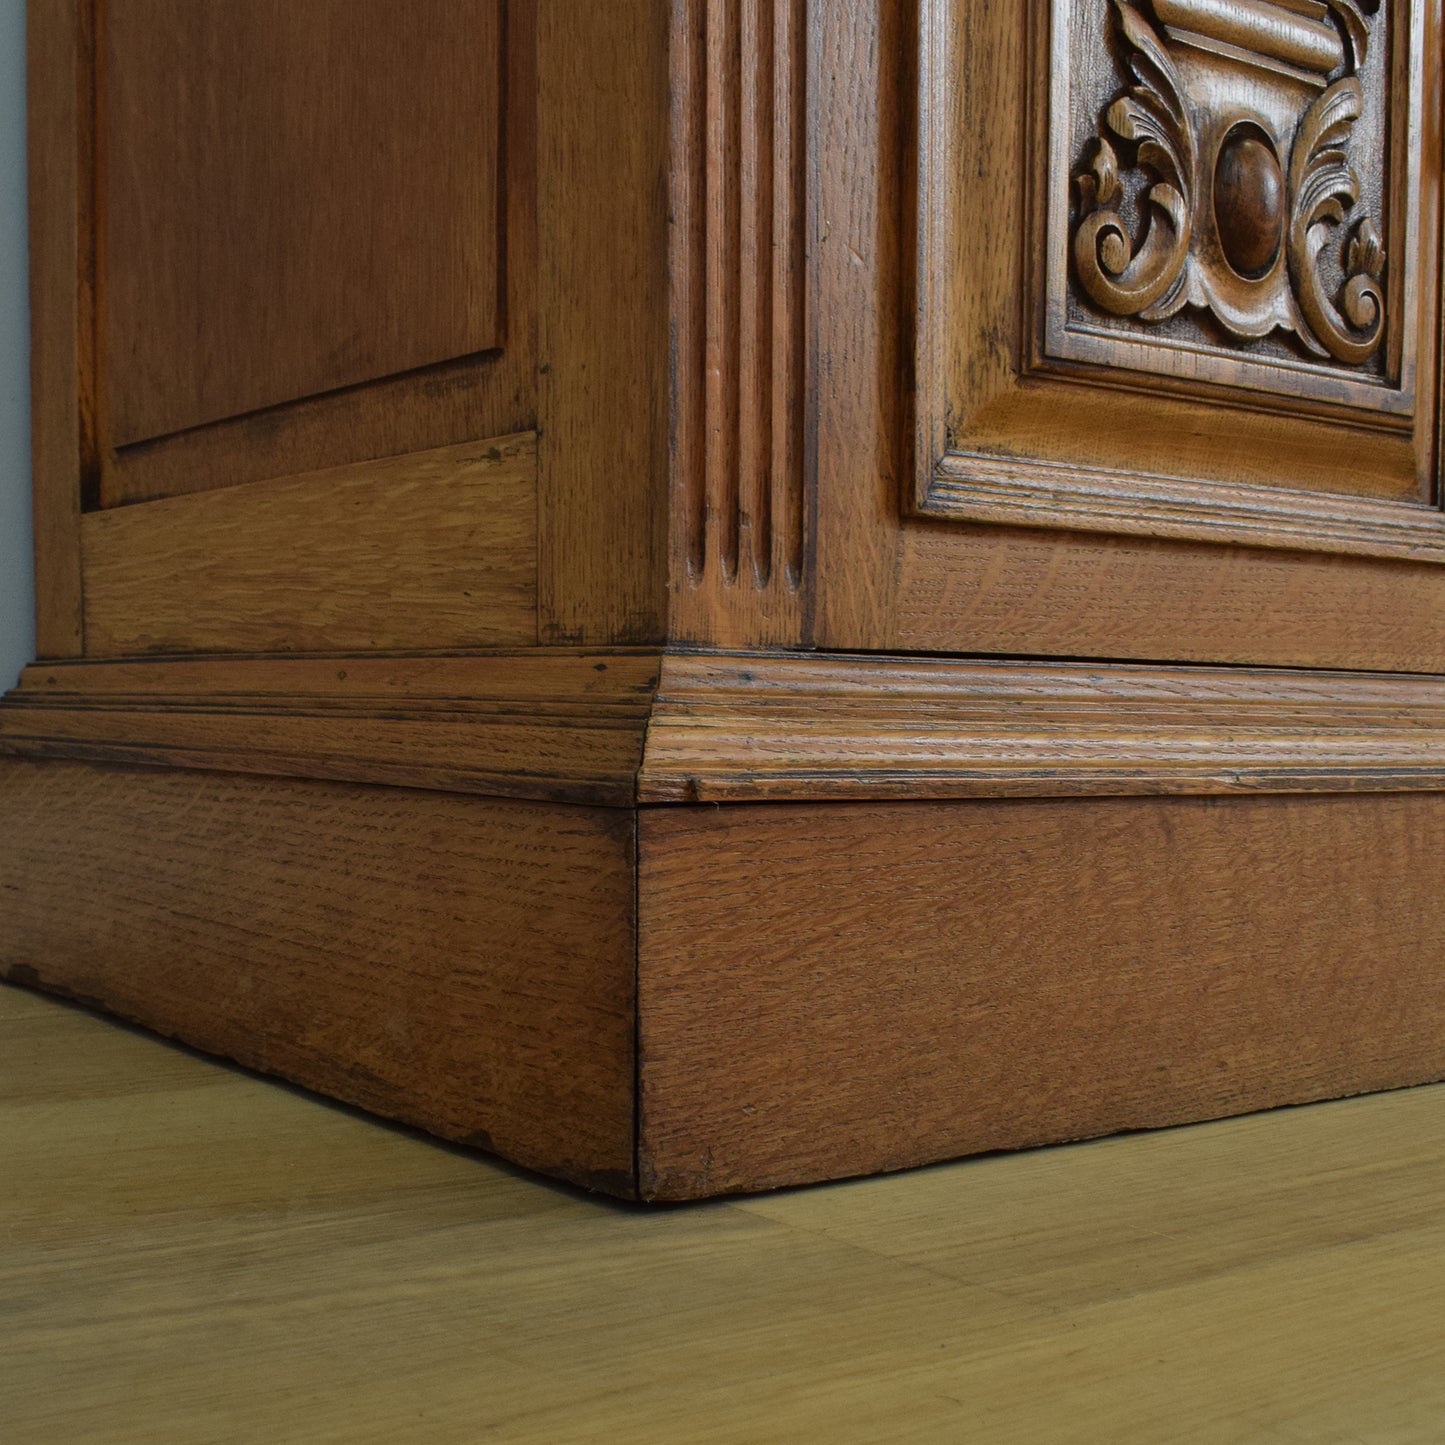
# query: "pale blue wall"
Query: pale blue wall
{"points": [[17, 609]]}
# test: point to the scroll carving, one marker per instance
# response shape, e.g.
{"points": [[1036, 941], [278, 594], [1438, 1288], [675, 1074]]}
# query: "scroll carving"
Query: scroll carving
{"points": [[1222, 177]]}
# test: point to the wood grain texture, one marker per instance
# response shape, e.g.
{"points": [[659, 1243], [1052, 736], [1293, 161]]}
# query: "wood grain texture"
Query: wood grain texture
{"points": [[620, 727], [1001, 437], [461, 964], [1008, 590], [777, 728], [176, 1229], [297, 198], [542, 724], [856, 304], [434, 550], [739, 413], [836, 989], [891, 582], [60, 364], [602, 139], [489, 394]]}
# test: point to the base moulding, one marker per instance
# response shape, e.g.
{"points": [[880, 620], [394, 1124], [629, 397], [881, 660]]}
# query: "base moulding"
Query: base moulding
{"points": [[670, 1001]]}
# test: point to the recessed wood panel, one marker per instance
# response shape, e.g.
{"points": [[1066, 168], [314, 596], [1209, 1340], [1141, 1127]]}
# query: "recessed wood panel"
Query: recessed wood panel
{"points": [[1178, 270], [296, 198]]}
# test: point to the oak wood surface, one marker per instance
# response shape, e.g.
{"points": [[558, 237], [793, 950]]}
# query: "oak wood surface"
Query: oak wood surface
{"points": [[828, 989], [546, 723], [434, 549], [618, 727], [892, 582], [740, 410], [488, 394], [61, 370], [602, 148], [1009, 590], [296, 199], [460, 963], [759, 727], [194, 1253]]}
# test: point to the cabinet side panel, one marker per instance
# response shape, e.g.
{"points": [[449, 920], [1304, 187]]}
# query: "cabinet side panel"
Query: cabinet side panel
{"points": [[437, 549], [297, 198], [602, 321], [462, 964], [829, 990], [55, 42]]}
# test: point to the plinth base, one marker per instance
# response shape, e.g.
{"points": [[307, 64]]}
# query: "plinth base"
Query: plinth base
{"points": [[669, 1002]]}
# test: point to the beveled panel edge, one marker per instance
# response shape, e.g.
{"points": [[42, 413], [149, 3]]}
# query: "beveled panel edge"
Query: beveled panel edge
{"points": [[548, 724], [1029, 493], [788, 728]]}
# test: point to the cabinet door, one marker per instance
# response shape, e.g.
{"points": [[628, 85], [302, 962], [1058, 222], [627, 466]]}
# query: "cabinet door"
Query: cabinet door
{"points": [[1130, 311]]}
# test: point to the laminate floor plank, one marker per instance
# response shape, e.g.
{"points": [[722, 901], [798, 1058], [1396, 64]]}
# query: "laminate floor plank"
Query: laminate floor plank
{"points": [[191, 1253]]}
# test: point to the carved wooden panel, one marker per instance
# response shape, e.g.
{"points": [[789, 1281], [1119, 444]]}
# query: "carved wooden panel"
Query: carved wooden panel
{"points": [[1235, 182], [1178, 270], [738, 206]]}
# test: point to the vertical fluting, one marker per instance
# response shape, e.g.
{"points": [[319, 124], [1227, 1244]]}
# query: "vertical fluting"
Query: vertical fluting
{"points": [[741, 210]]}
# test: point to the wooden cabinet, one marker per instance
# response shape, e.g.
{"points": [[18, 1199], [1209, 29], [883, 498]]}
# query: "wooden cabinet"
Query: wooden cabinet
{"points": [[717, 594]]}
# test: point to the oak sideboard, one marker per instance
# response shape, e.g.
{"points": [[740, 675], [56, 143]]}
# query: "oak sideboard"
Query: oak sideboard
{"points": [[714, 594]]}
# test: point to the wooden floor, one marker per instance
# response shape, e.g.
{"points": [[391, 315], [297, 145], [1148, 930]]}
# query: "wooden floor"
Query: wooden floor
{"points": [[188, 1254]]}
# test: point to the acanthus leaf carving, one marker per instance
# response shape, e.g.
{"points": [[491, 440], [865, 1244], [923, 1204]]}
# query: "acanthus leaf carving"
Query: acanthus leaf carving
{"points": [[1125, 279], [1324, 184], [1222, 90]]}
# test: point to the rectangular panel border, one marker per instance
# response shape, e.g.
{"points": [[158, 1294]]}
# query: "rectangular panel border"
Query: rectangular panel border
{"points": [[973, 487]]}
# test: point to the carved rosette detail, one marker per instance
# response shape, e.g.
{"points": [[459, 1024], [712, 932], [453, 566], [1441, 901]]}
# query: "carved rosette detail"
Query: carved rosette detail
{"points": [[1221, 90]]}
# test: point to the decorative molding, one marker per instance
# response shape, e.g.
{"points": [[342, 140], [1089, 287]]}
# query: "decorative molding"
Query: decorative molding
{"points": [[545, 724], [1002, 490], [738, 213], [1228, 99], [775, 728], [623, 728]]}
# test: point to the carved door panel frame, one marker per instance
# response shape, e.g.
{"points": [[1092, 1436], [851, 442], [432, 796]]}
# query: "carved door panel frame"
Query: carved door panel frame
{"points": [[1087, 355]]}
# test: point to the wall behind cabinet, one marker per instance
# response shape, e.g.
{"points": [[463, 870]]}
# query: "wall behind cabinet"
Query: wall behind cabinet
{"points": [[17, 603]]}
